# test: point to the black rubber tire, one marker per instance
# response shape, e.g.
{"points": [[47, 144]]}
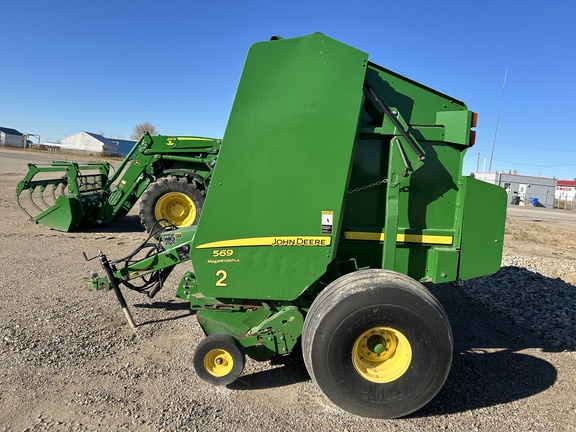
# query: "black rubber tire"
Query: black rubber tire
{"points": [[219, 346], [161, 187], [356, 303]]}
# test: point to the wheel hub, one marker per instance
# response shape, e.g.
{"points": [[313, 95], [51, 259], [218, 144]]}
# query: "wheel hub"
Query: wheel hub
{"points": [[381, 354], [176, 207], [218, 362]]}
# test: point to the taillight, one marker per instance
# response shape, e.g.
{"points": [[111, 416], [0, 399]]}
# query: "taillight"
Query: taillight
{"points": [[472, 138], [473, 123]]}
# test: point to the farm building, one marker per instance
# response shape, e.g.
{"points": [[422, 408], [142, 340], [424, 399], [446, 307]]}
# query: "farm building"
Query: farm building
{"points": [[96, 144], [523, 189], [124, 146], [89, 142], [11, 138]]}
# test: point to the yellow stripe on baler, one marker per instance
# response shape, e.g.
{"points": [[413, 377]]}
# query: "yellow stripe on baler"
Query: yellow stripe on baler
{"points": [[270, 241], [400, 238]]}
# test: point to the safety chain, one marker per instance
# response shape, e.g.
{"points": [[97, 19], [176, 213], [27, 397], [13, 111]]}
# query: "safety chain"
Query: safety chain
{"points": [[368, 186]]}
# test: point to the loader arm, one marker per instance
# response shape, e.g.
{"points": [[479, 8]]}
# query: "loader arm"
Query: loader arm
{"points": [[155, 157], [88, 196]]}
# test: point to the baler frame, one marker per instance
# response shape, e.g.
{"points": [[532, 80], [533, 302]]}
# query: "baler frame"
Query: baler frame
{"points": [[358, 199]]}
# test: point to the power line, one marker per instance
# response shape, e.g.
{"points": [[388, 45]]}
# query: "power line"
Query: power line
{"points": [[31, 130], [532, 165], [528, 146]]}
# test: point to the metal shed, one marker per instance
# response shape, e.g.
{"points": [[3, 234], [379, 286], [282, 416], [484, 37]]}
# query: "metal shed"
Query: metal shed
{"points": [[11, 138], [124, 145], [90, 143], [537, 191]]}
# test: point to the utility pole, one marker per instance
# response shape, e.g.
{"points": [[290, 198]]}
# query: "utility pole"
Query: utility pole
{"points": [[497, 120]]}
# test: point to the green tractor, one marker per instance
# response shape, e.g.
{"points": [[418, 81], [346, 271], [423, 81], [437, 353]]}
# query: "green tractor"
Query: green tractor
{"points": [[171, 174], [355, 199]]}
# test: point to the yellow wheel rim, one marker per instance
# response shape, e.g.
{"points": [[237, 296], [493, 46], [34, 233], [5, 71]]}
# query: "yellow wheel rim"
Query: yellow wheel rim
{"points": [[381, 354], [218, 362], [176, 207]]}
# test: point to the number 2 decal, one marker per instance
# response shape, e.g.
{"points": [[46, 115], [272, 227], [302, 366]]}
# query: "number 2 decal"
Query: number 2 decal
{"points": [[222, 281]]}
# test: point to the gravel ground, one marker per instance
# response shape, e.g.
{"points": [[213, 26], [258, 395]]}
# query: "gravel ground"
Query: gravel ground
{"points": [[68, 360], [546, 306]]}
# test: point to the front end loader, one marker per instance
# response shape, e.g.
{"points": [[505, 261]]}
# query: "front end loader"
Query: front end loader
{"points": [[170, 173], [355, 199]]}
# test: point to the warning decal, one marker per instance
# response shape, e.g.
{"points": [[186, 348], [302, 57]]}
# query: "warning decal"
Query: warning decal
{"points": [[327, 222]]}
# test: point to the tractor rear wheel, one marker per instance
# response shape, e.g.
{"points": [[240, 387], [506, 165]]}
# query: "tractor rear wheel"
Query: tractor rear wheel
{"points": [[174, 199], [377, 343], [219, 359]]}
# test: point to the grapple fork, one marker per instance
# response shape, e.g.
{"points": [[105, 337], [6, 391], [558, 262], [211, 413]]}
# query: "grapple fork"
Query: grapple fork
{"points": [[72, 188]]}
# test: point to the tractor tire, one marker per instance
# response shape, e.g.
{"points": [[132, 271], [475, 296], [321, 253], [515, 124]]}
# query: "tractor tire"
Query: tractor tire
{"points": [[174, 199], [377, 343], [219, 359]]}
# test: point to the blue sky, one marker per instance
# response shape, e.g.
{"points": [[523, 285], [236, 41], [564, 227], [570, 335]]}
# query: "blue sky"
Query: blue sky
{"points": [[104, 66]]}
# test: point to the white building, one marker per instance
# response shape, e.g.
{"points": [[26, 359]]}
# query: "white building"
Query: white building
{"points": [[11, 138], [566, 191], [89, 143], [538, 191]]}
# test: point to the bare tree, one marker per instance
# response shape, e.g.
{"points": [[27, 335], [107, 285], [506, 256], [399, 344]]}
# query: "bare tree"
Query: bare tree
{"points": [[139, 129]]}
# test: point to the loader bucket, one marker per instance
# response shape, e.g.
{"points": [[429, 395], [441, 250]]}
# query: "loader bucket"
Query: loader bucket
{"points": [[65, 214], [64, 195]]}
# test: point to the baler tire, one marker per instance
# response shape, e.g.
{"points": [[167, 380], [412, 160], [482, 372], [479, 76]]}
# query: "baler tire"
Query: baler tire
{"points": [[219, 359], [161, 195], [377, 343]]}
